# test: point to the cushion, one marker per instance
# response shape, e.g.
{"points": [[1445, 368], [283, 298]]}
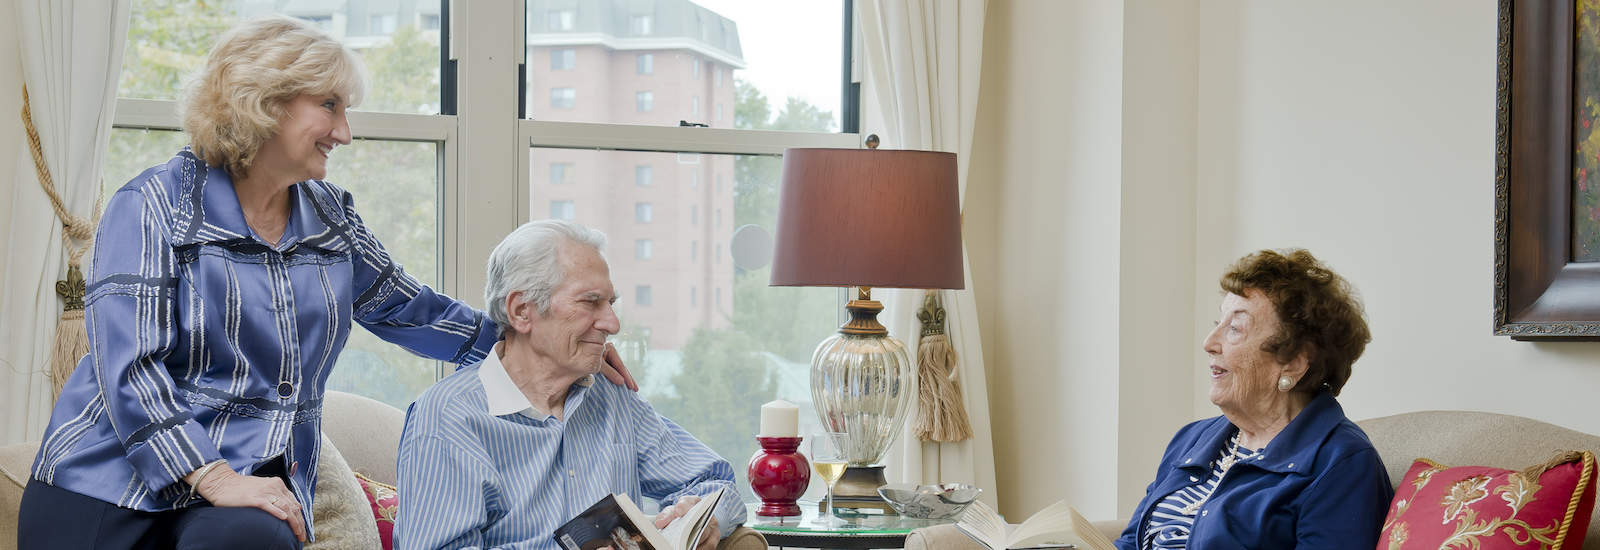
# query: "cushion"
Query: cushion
{"points": [[16, 461], [382, 500], [340, 513], [1545, 506]]}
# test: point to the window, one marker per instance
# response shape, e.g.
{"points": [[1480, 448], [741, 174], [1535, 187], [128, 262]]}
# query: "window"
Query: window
{"points": [[642, 249], [559, 20], [381, 24], [640, 25], [563, 98], [564, 59], [719, 296], [560, 173], [563, 210], [324, 22], [641, 295], [429, 22], [719, 183], [779, 325], [643, 212], [718, 223]]}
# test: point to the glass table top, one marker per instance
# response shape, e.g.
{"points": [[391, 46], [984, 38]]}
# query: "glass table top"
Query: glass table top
{"points": [[846, 522]]}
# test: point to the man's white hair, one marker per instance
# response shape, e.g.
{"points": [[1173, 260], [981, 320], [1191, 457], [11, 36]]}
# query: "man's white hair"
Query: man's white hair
{"points": [[529, 260]]}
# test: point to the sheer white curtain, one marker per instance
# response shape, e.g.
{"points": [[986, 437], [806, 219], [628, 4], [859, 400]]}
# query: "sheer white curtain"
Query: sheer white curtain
{"points": [[920, 61], [71, 59]]}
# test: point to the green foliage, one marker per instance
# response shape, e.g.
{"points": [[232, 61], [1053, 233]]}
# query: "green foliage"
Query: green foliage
{"points": [[786, 321], [720, 390], [167, 40]]}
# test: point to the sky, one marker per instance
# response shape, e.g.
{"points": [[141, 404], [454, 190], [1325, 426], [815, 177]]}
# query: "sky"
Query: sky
{"points": [[791, 48]]}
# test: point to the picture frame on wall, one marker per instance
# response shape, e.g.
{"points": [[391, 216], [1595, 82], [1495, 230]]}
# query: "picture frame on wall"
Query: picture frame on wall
{"points": [[1547, 171]]}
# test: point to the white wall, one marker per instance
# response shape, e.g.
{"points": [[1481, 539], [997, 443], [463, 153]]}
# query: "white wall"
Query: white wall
{"points": [[1365, 132], [1045, 165]]}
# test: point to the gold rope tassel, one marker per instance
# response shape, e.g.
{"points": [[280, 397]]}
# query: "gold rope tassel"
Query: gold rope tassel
{"points": [[71, 340], [941, 412]]}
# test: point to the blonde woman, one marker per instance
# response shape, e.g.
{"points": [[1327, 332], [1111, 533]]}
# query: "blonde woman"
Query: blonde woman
{"points": [[223, 287]]}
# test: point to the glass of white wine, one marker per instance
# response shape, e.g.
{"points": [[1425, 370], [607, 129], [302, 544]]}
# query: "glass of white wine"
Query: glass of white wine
{"points": [[829, 460]]}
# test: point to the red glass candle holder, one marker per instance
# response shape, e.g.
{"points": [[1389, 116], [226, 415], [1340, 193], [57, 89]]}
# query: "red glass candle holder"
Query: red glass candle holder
{"points": [[779, 475]]}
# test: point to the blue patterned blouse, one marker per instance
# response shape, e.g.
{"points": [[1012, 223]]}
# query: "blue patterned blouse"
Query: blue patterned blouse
{"points": [[207, 343]]}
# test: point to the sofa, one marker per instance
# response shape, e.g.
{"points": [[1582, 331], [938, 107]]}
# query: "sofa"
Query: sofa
{"points": [[360, 435], [1452, 438]]}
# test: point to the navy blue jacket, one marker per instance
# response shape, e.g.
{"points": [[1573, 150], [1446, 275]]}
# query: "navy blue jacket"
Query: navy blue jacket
{"points": [[1318, 484]]}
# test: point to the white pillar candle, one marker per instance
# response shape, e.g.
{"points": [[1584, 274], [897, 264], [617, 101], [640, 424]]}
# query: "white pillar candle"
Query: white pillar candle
{"points": [[780, 419]]}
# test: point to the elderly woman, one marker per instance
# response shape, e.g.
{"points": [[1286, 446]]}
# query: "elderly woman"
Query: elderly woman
{"points": [[222, 290], [1282, 467]]}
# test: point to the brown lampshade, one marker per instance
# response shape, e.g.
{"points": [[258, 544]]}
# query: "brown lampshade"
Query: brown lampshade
{"points": [[868, 217]]}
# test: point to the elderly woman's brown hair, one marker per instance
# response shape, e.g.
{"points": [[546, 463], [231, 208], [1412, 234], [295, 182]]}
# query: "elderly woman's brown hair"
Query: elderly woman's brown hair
{"points": [[1318, 313], [233, 104]]}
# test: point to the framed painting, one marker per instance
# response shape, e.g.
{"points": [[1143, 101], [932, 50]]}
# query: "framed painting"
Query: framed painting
{"points": [[1547, 171]]}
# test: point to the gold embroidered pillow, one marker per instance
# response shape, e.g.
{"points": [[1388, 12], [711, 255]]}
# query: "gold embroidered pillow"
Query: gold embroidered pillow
{"points": [[1543, 507]]}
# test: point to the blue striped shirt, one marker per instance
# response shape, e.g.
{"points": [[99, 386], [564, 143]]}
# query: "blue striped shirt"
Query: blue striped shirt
{"points": [[479, 467], [207, 343]]}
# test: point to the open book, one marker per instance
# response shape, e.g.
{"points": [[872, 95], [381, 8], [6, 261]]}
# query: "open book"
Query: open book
{"points": [[616, 522], [1056, 526]]}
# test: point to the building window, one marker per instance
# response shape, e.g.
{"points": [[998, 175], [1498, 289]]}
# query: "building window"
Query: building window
{"points": [[324, 22], [642, 175], [719, 253], [644, 101], [719, 218], [643, 212], [559, 20], [694, 296], [694, 106], [694, 214], [563, 210], [694, 250], [694, 67], [719, 111], [717, 76], [640, 25], [381, 24], [642, 249], [563, 98], [645, 64], [719, 296], [560, 173], [641, 295], [694, 178], [719, 183], [564, 59], [430, 22]]}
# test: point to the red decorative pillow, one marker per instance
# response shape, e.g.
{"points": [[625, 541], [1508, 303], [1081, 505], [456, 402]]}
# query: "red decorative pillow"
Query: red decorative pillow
{"points": [[1543, 507], [384, 501]]}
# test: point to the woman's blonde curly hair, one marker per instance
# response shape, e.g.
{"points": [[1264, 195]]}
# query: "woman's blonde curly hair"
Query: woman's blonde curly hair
{"points": [[232, 105]]}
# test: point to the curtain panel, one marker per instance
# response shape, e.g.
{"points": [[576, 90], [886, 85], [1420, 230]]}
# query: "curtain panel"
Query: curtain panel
{"points": [[71, 59]]}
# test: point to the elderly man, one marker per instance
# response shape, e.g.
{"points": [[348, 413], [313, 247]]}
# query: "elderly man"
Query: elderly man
{"points": [[501, 453]]}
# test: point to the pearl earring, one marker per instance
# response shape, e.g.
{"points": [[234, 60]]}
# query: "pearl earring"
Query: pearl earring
{"points": [[1285, 383]]}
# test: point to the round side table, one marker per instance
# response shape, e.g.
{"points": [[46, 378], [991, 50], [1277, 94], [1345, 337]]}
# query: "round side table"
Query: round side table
{"points": [[850, 531]]}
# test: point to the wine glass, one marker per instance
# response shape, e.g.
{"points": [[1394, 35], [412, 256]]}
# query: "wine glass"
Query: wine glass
{"points": [[829, 460]]}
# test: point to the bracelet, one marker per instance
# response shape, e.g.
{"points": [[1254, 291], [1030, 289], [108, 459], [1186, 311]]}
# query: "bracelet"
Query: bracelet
{"points": [[200, 475]]}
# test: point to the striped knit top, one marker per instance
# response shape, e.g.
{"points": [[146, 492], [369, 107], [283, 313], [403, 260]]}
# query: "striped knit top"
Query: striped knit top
{"points": [[1173, 517]]}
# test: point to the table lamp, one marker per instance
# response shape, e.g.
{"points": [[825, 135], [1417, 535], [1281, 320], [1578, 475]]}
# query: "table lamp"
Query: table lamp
{"points": [[866, 218]]}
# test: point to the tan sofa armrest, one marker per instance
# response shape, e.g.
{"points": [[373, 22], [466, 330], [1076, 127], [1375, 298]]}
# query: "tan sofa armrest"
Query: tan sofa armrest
{"points": [[743, 538], [946, 537]]}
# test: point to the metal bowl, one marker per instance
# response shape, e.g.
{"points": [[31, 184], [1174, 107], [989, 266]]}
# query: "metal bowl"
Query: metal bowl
{"points": [[942, 501]]}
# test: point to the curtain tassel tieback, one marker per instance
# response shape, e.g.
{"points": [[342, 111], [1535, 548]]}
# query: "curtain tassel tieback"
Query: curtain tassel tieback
{"points": [[941, 412], [71, 338]]}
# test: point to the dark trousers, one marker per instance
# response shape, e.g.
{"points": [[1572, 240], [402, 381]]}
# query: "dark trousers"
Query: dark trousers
{"points": [[56, 518]]}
